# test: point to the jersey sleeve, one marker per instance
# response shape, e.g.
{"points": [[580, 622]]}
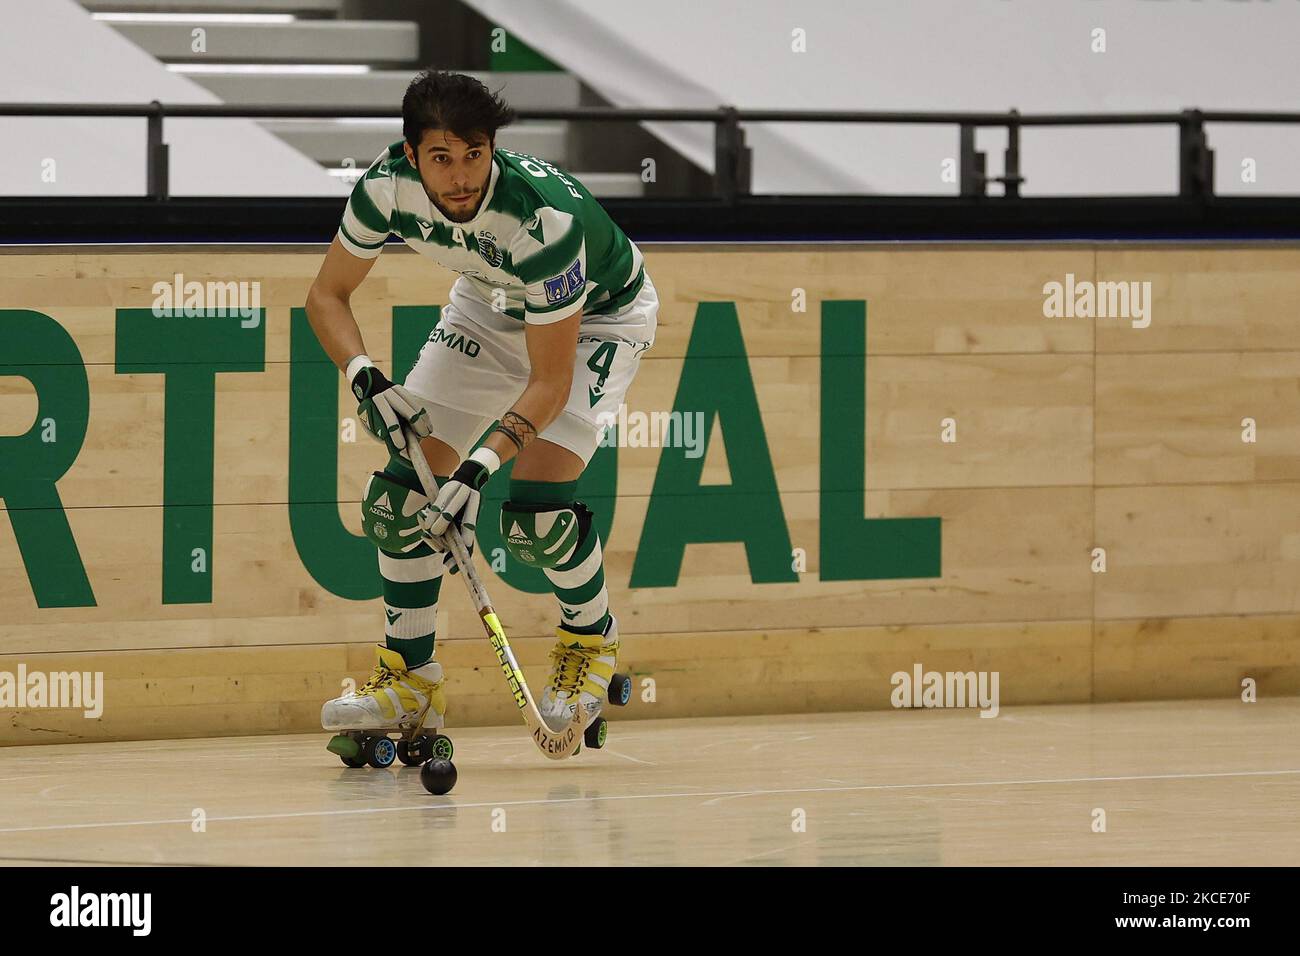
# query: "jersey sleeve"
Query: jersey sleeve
{"points": [[365, 227], [554, 267]]}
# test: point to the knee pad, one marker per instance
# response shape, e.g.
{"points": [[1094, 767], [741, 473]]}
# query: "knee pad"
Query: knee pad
{"points": [[389, 506], [543, 535]]}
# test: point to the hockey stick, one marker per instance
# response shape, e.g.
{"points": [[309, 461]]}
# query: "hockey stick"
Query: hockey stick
{"points": [[555, 745]]}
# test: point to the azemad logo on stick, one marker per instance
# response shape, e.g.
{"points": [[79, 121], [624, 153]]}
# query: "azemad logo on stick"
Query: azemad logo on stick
{"points": [[715, 396]]}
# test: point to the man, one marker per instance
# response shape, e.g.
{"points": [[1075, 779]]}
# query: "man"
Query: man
{"points": [[544, 331]]}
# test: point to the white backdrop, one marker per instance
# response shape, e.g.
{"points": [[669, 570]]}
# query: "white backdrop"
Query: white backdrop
{"points": [[872, 54], [1035, 55], [51, 51]]}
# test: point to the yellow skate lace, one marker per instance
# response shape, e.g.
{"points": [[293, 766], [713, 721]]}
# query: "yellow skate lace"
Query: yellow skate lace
{"points": [[385, 677], [568, 668], [381, 678], [569, 665]]}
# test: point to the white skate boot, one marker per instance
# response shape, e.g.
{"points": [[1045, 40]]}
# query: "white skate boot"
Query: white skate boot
{"points": [[394, 700], [583, 675]]}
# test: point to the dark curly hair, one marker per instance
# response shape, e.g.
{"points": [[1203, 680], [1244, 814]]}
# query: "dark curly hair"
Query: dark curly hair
{"points": [[437, 99]]}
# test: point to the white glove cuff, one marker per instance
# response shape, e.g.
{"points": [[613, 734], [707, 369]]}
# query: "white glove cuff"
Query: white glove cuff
{"points": [[487, 458], [356, 365]]}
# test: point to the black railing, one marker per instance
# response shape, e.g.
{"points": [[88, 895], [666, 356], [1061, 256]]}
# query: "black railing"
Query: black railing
{"points": [[733, 158]]}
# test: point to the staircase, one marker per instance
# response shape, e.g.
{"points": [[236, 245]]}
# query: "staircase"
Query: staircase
{"points": [[304, 53]]}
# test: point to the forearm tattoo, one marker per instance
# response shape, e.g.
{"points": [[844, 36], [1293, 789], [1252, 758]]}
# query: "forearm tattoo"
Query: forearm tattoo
{"points": [[517, 428]]}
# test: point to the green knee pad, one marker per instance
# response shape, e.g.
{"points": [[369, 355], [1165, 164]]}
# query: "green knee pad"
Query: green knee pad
{"points": [[543, 535], [389, 506]]}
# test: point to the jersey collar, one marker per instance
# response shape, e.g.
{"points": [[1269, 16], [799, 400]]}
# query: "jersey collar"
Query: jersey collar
{"points": [[436, 213]]}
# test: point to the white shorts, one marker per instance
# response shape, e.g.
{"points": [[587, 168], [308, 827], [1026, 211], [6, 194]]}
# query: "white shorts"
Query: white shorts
{"points": [[475, 366]]}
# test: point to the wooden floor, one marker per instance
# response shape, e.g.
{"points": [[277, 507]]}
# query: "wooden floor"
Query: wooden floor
{"points": [[1181, 783]]}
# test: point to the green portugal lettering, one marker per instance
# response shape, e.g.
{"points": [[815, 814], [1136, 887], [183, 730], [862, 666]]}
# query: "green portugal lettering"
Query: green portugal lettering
{"points": [[341, 562], [189, 352], [854, 548], [36, 347], [716, 381]]}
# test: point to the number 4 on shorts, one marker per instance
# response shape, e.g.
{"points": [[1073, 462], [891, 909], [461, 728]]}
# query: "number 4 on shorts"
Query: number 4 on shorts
{"points": [[601, 361]]}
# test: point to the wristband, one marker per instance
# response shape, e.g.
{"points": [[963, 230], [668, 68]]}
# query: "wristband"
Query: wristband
{"points": [[475, 470], [487, 458], [369, 381], [356, 364]]}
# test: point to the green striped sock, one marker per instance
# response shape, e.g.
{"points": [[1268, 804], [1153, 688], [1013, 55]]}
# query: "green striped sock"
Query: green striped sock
{"points": [[411, 583]]}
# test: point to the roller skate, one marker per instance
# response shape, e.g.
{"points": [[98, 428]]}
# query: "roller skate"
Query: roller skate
{"points": [[394, 700], [583, 675]]}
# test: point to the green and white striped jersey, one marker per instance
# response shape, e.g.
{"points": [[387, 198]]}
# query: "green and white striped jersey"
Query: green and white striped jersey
{"points": [[539, 249]]}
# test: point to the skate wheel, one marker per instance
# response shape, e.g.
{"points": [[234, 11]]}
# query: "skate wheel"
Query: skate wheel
{"points": [[442, 746], [411, 753], [379, 752], [594, 735], [620, 690]]}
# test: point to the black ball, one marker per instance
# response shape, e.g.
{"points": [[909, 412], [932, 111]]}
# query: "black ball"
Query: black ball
{"points": [[438, 775]]}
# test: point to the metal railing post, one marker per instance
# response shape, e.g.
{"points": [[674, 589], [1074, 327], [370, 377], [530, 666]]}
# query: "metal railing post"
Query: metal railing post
{"points": [[972, 170], [156, 155], [1195, 158], [1011, 178], [731, 157]]}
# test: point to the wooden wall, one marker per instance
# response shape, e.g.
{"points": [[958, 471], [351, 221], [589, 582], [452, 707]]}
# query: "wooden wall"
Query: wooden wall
{"points": [[1071, 434]]}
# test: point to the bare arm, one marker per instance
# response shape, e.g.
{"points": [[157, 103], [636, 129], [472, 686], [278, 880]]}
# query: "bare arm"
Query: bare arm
{"points": [[328, 303], [552, 350]]}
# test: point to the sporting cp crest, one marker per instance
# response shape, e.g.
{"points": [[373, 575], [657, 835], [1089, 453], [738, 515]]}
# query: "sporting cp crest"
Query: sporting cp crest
{"points": [[487, 248]]}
